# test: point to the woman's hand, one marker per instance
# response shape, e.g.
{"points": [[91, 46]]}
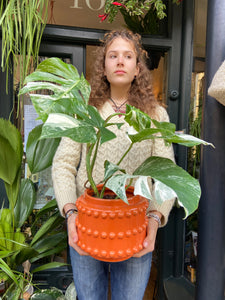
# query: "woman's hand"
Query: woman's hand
{"points": [[149, 241], [72, 234]]}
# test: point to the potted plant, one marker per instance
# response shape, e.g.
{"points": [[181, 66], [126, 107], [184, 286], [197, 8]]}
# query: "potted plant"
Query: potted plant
{"points": [[135, 9], [65, 112], [20, 244]]}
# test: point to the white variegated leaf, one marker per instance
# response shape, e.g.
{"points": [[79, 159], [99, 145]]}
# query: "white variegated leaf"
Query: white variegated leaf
{"points": [[163, 192], [187, 212], [141, 187]]}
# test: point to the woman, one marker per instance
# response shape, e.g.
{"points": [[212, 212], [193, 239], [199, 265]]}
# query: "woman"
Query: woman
{"points": [[120, 77]]}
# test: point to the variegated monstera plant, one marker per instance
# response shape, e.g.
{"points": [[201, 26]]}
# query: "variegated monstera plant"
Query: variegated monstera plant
{"points": [[65, 112]]}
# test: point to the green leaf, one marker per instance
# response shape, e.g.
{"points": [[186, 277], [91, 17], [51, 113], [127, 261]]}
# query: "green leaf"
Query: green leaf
{"points": [[38, 75], [96, 118], [9, 238], [25, 254], [5, 268], [187, 140], [58, 125], [46, 104], [12, 190], [142, 125], [184, 185], [6, 215], [51, 223], [49, 206], [136, 118], [14, 291], [40, 153], [84, 89], [106, 135], [56, 66], [5, 253], [58, 249], [164, 125], [25, 202], [117, 184], [48, 294], [147, 134], [67, 91], [42, 296], [11, 151], [49, 266], [110, 169], [50, 241]]}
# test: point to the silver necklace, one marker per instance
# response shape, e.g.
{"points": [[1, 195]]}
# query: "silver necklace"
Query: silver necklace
{"points": [[117, 108]]}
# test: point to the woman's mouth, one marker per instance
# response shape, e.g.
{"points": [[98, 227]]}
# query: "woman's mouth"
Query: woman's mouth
{"points": [[120, 72]]}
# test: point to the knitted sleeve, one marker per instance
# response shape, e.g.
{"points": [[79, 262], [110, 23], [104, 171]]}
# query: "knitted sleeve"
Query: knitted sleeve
{"points": [[162, 150], [64, 165]]}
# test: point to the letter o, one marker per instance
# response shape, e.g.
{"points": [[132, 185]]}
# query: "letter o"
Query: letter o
{"points": [[102, 3]]}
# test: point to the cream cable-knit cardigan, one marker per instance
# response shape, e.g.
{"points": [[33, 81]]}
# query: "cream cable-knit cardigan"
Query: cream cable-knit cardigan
{"points": [[69, 182]]}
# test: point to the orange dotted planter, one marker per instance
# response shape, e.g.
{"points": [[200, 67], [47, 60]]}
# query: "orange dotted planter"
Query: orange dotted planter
{"points": [[111, 230]]}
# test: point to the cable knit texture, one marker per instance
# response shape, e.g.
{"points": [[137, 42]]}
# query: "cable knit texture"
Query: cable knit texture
{"points": [[68, 179]]}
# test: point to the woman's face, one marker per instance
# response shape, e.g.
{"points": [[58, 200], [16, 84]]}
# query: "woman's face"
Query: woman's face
{"points": [[121, 63]]}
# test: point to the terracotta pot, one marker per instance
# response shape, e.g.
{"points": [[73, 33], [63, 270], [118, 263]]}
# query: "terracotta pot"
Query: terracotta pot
{"points": [[111, 230]]}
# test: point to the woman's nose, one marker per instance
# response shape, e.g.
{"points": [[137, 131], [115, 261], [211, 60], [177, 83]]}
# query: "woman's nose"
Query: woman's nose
{"points": [[120, 60]]}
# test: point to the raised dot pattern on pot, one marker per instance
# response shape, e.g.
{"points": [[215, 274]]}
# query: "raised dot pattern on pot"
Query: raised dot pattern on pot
{"points": [[123, 236]]}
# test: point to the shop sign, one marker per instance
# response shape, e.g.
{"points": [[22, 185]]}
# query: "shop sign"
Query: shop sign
{"points": [[93, 5]]}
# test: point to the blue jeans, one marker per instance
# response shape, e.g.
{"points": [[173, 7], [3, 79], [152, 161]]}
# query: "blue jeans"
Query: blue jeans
{"points": [[128, 279]]}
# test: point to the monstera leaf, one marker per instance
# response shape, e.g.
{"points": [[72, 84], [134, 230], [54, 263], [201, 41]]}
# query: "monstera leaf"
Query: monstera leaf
{"points": [[144, 128], [68, 95], [67, 91], [170, 181]]}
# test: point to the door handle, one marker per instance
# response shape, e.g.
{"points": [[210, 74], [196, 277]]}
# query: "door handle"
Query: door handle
{"points": [[174, 94]]}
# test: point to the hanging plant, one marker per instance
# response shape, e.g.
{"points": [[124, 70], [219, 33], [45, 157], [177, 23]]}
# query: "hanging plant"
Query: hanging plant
{"points": [[134, 8], [22, 23], [142, 24]]}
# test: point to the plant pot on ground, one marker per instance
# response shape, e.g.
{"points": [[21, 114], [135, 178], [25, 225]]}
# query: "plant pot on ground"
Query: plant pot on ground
{"points": [[66, 113]]}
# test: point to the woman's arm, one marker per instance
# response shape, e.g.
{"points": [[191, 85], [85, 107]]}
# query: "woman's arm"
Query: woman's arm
{"points": [[64, 165], [64, 170]]}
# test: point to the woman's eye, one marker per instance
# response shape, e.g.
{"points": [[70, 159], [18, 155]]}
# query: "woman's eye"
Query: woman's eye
{"points": [[128, 56], [112, 56]]}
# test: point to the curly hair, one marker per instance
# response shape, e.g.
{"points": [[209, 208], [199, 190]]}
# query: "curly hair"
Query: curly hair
{"points": [[140, 93]]}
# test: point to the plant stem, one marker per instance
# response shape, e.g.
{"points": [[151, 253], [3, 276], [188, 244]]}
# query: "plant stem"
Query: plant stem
{"points": [[103, 188], [96, 151], [90, 163], [128, 150], [90, 148], [111, 116]]}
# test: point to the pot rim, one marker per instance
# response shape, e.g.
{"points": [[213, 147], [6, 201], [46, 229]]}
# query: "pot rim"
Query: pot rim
{"points": [[132, 199]]}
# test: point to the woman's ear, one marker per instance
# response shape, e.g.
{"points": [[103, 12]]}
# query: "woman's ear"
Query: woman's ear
{"points": [[137, 70]]}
